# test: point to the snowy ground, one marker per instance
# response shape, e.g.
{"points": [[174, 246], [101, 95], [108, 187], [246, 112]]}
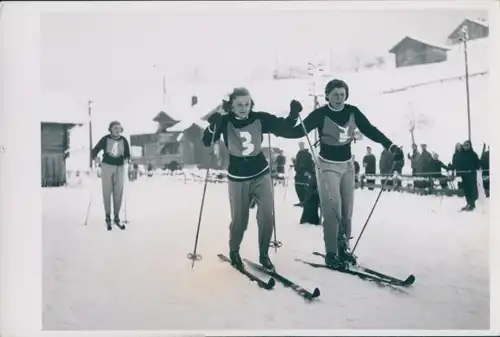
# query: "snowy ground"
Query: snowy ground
{"points": [[141, 279]]}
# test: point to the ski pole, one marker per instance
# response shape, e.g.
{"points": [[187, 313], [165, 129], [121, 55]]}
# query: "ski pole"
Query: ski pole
{"points": [[275, 243], [125, 188], [88, 207], [194, 256], [371, 211]]}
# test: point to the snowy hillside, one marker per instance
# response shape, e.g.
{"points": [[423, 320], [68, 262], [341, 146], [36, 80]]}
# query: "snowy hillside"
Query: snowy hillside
{"points": [[389, 98]]}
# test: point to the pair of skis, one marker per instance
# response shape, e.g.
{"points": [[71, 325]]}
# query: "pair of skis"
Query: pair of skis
{"points": [[274, 275], [362, 272]]}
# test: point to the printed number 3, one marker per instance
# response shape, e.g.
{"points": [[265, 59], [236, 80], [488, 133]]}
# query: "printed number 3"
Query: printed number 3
{"points": [[246, 141]]}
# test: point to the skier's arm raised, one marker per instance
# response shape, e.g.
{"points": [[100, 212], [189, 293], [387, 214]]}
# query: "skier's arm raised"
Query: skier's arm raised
{"points": [[276, 125], [216, 122], [311, 122]]}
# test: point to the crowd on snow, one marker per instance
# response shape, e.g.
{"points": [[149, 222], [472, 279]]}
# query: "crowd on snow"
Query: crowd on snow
{"points": [[426, 168]]}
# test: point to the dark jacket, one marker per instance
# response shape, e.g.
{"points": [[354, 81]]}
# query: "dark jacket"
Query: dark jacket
{"points": [[303, 162], [370, 163], [436, 166], [386, 160], [424, 163]]}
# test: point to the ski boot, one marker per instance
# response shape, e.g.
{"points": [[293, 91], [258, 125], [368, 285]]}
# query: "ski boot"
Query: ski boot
{"points": [[118, 222], [345, 253], [333, 260], [108, 222], [265, 261], [236, 260]]}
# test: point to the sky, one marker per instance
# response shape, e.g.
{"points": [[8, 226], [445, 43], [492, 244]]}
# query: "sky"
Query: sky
{"points": [[117, 59]]}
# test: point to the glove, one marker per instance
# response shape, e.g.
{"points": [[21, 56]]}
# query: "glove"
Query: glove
{"points": [[215, 120], [295, 107], [397, 152]]}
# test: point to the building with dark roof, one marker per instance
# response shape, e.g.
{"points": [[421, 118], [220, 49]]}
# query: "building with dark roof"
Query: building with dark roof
{"points": [[411, 51]]}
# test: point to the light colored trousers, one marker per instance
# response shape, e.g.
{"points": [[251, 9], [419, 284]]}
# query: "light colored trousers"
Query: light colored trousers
{"points": [[240, 197], [336, 192], [112, 178]]}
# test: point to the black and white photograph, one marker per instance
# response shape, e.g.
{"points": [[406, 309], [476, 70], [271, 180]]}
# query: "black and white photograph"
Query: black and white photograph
{"points": [[256, 166]]}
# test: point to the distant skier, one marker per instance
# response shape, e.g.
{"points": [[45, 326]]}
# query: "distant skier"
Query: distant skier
{"points": [[242, 130], [336, 123], [116, 152]]}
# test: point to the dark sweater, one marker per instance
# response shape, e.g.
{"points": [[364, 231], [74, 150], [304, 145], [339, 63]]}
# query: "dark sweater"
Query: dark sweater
{"points": [[317, 119]]}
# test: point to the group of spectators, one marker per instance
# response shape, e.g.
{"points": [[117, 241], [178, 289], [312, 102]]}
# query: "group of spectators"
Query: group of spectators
{"points": [[424, 164]]}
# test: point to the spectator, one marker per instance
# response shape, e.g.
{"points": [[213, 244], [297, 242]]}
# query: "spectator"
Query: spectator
{"points": [[280, 166], [370, 165], [398, 167], [423, 167], [303, 164], [356, 170], [469, 161], [436, 166], [311, 202], [386, 161], [414, 159]]}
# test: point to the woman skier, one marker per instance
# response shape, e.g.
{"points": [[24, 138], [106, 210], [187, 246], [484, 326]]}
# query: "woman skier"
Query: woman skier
{"points": [[116, 152], [242, 130], [337, 124]]}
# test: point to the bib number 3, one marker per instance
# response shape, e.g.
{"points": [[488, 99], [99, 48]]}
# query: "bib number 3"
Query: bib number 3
{"points": [[246, 142]]}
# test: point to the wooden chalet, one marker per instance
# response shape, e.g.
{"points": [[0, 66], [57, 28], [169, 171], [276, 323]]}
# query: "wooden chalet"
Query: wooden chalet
{"points": [[177, 140], [411, 51], [476, 29]]}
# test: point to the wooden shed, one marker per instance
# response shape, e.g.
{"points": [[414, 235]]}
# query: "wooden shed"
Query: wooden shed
{"points": [[59, 114], [411, 51], [54, 147], [476, 29]]}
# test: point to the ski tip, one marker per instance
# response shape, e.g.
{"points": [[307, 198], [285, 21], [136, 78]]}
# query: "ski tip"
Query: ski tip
{"points": [[271, 283], [410, 280]]}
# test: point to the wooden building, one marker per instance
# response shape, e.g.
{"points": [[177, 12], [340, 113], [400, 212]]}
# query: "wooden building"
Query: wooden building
{"points": [[54, 147], [410, 51], [176, 140], [475, 30]]}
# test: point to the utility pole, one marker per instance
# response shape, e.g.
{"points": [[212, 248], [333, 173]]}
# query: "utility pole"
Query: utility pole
{"points": [[463, 37], [314, 70], [90, 134]]}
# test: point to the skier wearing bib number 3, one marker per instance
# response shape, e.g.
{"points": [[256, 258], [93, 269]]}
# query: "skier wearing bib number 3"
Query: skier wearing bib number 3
{"points": [[242, 130], [338, 124]]}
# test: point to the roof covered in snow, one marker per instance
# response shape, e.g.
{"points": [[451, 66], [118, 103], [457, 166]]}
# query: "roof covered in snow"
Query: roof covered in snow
{"points": [[474, 21], [408, 39], [62, 109]]}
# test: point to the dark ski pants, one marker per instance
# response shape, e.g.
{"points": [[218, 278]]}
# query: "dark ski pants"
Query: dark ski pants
{"points": [[112, 178], [336, 192], [301, 186], [241, 194], [469, 186]]}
